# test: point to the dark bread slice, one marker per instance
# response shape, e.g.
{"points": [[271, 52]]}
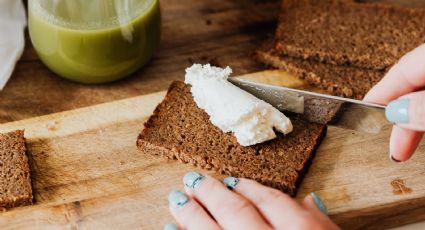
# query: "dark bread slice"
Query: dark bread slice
{"points": [[15, 181], [343, 81], [178, 129], [366, 35], [320, 111]]}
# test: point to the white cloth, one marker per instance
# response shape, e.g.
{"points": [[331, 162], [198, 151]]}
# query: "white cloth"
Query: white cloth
{"points": [[12, 38]]}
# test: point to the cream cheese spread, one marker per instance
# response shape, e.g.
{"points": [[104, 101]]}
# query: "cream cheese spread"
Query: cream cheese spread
{"points": [[232, 109]]}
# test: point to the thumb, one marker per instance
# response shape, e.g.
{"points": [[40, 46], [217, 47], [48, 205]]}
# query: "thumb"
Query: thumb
{"points": [[408, 111]]}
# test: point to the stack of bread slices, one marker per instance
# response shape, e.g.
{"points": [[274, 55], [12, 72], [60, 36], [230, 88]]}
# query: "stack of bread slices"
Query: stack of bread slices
{"points": [[341, 46]]}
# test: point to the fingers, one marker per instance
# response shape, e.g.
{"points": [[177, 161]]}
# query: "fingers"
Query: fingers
{"points": [[279, 209], [408, 111], [314, 204], [249, 206], [225, 206], [406, 76], [272, 204], [188, 213], [403, 143], [170, 227]]}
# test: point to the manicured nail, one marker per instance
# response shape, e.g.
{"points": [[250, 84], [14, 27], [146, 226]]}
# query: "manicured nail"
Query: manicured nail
{"points": [[231, 182], [192, 179], [177, 199], [170, 227], [397, 111], [394, 160], [319, 203]]}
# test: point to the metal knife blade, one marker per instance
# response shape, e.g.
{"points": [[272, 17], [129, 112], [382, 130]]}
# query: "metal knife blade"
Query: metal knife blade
{"points": [[346, 113]]}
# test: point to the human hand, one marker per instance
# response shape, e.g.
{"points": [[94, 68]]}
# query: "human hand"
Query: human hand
{"points": [[401, 89], [246, 205]]}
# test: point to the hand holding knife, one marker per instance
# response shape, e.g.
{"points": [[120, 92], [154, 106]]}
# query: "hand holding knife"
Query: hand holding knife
{"points": [[402, 89], [396, 99]]}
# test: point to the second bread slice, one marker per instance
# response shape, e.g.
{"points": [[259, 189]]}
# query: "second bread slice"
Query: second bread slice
{"points": [[343, 81], [366, 35]]}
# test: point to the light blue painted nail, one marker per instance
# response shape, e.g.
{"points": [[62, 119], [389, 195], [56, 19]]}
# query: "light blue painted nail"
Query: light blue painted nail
{"points": [[177, 199], [170, 227], [398, 111], [231, 182], [319, 203], [192, 180]]}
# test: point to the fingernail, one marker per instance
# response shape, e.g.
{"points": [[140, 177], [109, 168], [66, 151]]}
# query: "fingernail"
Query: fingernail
{"points": [[231, 182], [177, 199], [319, 203], [394, 160], [192, 179], [397, 111], [170, 227]]}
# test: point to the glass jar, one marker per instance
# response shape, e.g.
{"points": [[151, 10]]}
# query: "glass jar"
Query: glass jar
{"points": [[94, 41]]}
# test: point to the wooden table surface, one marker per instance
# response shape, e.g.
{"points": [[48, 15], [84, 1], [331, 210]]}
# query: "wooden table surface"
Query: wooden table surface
{"points": [[221, 32]]}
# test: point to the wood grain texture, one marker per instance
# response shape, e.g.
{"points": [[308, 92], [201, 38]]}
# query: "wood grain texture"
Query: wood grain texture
{"points": [[87, 172]]}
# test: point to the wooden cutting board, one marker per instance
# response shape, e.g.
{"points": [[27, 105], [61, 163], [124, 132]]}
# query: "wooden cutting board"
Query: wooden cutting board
{"points": [[88, 174]]}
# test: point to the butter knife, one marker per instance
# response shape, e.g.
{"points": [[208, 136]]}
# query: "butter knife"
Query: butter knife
{"points": [[342, 112]]}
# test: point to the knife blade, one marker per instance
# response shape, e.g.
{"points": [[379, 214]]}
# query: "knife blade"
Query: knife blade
{"points": [[341, 112]]}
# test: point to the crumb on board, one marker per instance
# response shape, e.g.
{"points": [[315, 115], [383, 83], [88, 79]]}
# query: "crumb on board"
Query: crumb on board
{"points": [[52, 125], [399, 187]]}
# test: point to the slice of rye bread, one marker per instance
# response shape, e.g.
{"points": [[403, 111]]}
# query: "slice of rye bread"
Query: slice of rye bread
{"points": [[320, 111], [178, 129], [366, 35], [343, 81], [15, 181]]}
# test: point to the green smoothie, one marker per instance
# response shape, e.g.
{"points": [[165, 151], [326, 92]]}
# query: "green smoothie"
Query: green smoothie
{"points": [[94, 41]]}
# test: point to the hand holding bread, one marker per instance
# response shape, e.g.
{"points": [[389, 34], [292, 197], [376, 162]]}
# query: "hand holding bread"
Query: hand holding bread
{"points": [[244, 204]]}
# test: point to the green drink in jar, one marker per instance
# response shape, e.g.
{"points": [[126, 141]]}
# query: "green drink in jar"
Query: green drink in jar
{"points": [[94, 41]]}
